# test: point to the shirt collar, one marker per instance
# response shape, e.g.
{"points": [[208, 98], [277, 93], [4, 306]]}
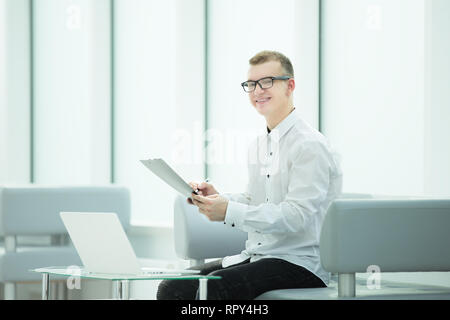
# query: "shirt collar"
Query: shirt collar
{"points": [[280, 130]]}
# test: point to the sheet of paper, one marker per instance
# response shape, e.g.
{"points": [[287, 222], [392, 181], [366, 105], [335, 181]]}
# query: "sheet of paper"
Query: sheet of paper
{"points": [[160, 168]]}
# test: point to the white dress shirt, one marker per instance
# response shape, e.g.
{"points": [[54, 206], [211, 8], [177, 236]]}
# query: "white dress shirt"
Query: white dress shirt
{"points": [[293, 177]]}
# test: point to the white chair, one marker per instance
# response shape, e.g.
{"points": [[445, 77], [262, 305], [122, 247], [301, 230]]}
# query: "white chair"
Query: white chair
{"points": [[33, 212]]}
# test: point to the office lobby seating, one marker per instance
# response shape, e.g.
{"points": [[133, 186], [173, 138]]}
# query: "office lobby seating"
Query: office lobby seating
{"points": [[32, 230], [364, 239], [197, 239]]}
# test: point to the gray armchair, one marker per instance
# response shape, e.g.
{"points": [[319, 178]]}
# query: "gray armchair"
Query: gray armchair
{"points": [[196, 238], [393, 234], [33, 211]]}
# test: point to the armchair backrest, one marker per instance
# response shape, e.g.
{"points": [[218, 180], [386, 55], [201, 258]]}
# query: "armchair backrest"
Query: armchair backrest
{"points": [[396, 235], [198, 238], [34, 210]]}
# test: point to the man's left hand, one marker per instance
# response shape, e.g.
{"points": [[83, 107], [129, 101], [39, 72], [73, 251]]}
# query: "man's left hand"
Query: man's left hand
{"points": [[213, 206]]}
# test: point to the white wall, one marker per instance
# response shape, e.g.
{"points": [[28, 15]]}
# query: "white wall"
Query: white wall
{"points": [[383, 106]]}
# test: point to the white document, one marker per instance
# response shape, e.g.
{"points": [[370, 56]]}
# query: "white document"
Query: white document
{"points": [[169, 176]]}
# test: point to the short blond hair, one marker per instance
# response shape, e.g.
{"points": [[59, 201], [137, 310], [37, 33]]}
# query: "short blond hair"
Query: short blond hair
{"points": [[266, 56]]}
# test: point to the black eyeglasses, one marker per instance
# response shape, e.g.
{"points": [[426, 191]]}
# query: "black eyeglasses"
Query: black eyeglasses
{"points": [[264, 83]]}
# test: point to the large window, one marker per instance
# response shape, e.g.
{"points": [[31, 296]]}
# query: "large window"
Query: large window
{"points": [[14, 92], [373, 98], [71, 91], [95, 86], [88, 88], [158, 99], [237, 30]]}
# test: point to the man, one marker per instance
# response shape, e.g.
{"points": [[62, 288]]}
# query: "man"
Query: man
{"points": [[293, 177]]}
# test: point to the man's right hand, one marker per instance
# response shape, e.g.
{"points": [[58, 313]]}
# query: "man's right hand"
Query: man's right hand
{"points": [[204, 189]]}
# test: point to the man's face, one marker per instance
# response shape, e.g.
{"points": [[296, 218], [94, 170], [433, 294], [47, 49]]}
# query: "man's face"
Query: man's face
{"points": [[273, 100]]}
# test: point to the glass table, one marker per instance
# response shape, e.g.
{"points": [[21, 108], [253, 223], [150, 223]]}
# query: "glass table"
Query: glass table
{"points": [[121, 281]]}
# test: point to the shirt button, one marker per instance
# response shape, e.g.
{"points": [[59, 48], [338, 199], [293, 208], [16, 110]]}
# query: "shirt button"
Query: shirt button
{"points": [[259, 243], [232, 224], [271, 153], [267, 200], [268, 175]]}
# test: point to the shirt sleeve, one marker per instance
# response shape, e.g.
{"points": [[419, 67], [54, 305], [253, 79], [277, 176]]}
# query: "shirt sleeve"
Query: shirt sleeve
{"points": [[244, 197], [308, 186]]}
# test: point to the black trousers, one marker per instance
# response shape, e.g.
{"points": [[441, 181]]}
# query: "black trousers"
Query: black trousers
{"points": [[243, 281]]}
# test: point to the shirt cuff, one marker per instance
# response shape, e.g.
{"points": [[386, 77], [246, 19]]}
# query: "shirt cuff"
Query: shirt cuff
{"points": [[226, 195], [235, 214]]}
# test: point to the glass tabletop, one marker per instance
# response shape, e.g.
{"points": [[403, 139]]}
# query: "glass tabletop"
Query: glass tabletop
{"points": [[82, 273]]}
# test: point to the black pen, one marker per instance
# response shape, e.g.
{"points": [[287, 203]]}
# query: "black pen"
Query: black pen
{"points": [[196, 191]]}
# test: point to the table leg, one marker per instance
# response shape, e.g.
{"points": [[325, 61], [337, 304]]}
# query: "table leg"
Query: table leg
{"points": [[203, 289], [45, 286], [122, 290]]}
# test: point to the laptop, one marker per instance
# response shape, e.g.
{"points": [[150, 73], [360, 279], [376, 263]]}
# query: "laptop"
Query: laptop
{"points": [[103, 246]]}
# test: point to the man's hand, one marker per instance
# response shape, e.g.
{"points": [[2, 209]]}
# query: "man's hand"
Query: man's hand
{"points": [[213, 206], [204, 189]]}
